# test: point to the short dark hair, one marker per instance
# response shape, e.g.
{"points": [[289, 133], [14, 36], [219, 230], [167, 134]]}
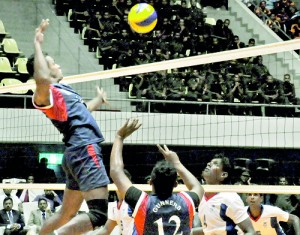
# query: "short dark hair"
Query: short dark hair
{"points": [[163, 177], [6, 199], [226, 165], [30, 63], [42, 199]]}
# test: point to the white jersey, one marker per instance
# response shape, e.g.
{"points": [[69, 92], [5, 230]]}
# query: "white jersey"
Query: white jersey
{"points": [[221, 213], [122, 215], [268, 222]]}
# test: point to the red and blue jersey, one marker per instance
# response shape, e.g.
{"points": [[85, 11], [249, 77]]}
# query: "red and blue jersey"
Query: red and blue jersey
{"points": [[153, 216], [70, 116]]}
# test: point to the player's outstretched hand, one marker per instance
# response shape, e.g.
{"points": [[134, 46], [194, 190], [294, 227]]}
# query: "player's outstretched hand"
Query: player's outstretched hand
{"points": [[101, 94], [169, 155], [130, 126], [39, 32]]}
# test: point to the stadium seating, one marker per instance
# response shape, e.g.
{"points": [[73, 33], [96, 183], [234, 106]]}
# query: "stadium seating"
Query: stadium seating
{"points": [[13, 81], [5, 66]]}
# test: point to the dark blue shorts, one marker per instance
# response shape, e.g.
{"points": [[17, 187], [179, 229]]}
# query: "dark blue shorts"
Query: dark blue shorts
{"points": [[84, 168]]}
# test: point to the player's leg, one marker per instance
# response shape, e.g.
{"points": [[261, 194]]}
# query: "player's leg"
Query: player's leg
{"points": [[71, 203], [97, 202], [91, 178]]}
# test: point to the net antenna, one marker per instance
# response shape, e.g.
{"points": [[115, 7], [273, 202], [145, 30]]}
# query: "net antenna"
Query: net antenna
{"points": [[271, 48]]}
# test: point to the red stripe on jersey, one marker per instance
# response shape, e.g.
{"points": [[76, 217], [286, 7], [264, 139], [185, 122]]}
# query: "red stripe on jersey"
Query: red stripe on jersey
{"points": [[59, 109], [92, 153], [190, 208], [140, 216]]}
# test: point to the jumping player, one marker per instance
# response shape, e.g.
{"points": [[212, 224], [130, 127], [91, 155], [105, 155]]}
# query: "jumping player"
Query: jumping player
{"points": [[86, 177], [163, 212], [220, 213], [265, 218]]}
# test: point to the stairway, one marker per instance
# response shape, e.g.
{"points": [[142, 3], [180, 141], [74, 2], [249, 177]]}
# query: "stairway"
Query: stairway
{"points": [[21, 18]]}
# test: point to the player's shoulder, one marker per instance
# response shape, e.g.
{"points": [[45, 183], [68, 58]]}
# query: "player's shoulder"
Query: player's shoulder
{"points": [[229, 195], [230, 198], [268, 209]]}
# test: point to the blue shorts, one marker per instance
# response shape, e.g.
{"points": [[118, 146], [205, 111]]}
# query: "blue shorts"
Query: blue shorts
{"points": [[84, 168]]}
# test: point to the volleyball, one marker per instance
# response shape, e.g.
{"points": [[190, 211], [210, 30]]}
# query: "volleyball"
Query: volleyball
{"points": [[142, 18]]}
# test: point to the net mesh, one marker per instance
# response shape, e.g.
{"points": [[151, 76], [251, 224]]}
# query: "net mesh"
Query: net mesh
{"points": [[271, 126]]}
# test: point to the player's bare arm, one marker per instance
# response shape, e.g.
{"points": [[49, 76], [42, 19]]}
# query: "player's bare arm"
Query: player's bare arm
{"points": [[188, 178], [101, 98], [246, 227], [295, 221], [116, 158], [41, 69]]}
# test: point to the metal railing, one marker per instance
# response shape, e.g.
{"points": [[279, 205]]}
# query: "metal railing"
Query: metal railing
{"points": [[148, 104]]}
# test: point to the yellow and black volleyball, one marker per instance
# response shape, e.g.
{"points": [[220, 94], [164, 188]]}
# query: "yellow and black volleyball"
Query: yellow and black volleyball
{"points": [[142, 18]]}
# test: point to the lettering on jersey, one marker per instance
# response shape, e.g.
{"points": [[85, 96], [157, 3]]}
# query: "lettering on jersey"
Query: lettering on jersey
{"points": [[166, 203]]}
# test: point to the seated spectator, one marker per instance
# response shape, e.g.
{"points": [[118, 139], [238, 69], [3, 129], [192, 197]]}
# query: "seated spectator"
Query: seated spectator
{"points": [[272, 91], [126, 58], [273, 22], [262, 11], [218, 88], [39, 216], [236, 43], [283, 201], [295, 29], [199, 46], [227, 32], [141, 57], [236, 89], [259, 69], [51, 197], [156, 90], [11, 219], [253, 91], [80, 14], [175, 91], [282, 17], [289, 90], [244, 179], [8, 193], [92, 32], [215, 46], [28, 195]]}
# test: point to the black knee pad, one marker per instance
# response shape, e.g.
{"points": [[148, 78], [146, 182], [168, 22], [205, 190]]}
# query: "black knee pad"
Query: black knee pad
{"points": [[97, 211]]}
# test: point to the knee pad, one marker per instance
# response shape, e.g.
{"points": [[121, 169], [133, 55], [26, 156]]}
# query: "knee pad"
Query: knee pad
{"points": [[97, 211]]}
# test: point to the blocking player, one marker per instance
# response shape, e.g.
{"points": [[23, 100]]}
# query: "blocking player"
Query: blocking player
{"points": [[162, 212], [221, 213]]}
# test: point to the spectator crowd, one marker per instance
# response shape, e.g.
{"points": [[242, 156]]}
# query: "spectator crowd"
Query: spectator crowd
{"points": [[181, 31]]}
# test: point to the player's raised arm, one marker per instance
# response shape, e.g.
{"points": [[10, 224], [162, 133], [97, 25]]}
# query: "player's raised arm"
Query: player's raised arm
{"points": [[95, 103], [41, 70], [116, 158], [188, 178]]}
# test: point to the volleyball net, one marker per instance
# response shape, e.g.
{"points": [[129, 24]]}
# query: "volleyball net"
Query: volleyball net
{"points": [[18, 125]]}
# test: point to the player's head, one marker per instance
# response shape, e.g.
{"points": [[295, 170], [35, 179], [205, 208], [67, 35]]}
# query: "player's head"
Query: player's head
{"points": [[217, 170], [163, 179], [254, 199], [55, 71]]}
